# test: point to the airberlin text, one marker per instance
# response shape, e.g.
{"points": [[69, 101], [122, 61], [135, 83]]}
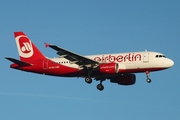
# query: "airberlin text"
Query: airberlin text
{"points": [[119, 58]]}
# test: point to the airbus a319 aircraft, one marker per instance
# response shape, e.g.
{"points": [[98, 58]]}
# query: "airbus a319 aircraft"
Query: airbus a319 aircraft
{"points": [[119, 68]]}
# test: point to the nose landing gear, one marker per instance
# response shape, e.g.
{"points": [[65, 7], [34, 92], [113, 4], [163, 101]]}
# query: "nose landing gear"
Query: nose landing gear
{"points": [[148, 75]]}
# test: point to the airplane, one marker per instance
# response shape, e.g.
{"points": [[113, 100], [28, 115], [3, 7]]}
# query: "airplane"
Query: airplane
{"points": [[119, 68]]}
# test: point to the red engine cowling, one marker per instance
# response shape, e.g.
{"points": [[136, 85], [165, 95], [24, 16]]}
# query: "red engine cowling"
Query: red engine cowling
{"points": [[109, 68], [128, 79]]}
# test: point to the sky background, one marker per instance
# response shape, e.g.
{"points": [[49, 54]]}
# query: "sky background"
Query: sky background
{"points": [[90, 27]]}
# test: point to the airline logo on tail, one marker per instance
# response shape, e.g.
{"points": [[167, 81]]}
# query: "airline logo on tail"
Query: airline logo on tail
{"points": [[24, 46]]}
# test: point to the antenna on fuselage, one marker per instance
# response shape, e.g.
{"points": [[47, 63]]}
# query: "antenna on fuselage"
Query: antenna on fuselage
{"points": [[145, 50]]}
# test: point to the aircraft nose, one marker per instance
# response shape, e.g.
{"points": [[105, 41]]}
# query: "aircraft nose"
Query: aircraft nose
{"points": [[170, 63]]}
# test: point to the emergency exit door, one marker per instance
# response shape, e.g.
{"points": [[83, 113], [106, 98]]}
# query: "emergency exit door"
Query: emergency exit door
{"points": [[146, 57]]}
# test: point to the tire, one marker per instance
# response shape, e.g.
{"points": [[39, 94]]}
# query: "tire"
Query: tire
{"points": [[88, 80], [100, 87], [148, 80]]}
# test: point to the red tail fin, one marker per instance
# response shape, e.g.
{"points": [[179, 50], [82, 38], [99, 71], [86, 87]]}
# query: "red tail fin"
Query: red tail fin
{"points": [[27, 50]]}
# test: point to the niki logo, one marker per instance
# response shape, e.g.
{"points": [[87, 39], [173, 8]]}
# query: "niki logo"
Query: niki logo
{"points": [[24, 45]]}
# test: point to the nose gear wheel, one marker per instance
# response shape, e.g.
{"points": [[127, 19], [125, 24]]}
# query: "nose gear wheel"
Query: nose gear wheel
{"points": [[148, 80]]}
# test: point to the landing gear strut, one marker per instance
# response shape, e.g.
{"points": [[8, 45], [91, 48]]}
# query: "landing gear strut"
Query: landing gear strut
{"points": [[148, 75], [88, 79]]}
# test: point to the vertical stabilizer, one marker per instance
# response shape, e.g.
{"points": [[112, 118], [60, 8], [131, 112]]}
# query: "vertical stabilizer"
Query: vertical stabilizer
{"points": [[27, 50]]}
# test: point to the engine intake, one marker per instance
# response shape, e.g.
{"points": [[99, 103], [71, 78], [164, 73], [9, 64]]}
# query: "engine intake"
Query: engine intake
{"points": [[128, 79], [109, 68]]}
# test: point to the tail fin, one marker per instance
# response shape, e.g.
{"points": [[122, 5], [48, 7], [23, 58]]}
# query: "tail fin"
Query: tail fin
{"points": [[27, 50]]}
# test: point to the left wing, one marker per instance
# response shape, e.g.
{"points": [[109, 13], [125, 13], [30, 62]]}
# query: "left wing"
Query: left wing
{"points": [[73, 57]]}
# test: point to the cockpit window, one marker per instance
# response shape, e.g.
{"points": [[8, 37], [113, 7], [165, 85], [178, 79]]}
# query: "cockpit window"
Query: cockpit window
{"points": [[160, 56]]}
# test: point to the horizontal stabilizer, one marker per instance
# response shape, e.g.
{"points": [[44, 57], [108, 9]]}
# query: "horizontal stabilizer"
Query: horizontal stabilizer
{"points": [[18, 62]]}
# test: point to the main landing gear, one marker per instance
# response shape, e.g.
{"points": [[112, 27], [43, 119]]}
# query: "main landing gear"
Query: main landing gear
{"points": [[88, 80], [99, 86], [148, 75]]}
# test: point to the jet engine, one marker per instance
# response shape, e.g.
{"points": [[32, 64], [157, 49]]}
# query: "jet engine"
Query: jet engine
{"points": [[108, 68], [128, 79]]}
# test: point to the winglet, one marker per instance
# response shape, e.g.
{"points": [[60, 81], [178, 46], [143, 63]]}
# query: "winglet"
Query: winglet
{"points": [[46, 45]]}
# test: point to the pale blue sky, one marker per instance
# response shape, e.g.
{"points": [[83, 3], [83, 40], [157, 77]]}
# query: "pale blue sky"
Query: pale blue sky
{"points": [[90, 27]]}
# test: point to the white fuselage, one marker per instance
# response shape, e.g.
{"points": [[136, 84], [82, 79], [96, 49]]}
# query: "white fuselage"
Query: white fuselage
{"points": [[127, 61]]}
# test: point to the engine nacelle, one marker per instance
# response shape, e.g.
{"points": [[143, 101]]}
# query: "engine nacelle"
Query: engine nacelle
{"points": [[109, 68], [128, 79]]}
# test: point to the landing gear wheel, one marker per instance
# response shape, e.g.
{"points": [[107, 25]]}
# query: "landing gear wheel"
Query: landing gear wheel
{"points": [[100, 87], [88, 80], [148, 80]]}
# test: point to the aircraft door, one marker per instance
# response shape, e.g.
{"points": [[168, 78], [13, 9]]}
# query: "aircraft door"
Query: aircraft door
{"points": [[45, 64], [146, 57]]}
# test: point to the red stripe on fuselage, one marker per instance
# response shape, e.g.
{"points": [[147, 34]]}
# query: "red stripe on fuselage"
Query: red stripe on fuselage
{"points": [[139, 70]]}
